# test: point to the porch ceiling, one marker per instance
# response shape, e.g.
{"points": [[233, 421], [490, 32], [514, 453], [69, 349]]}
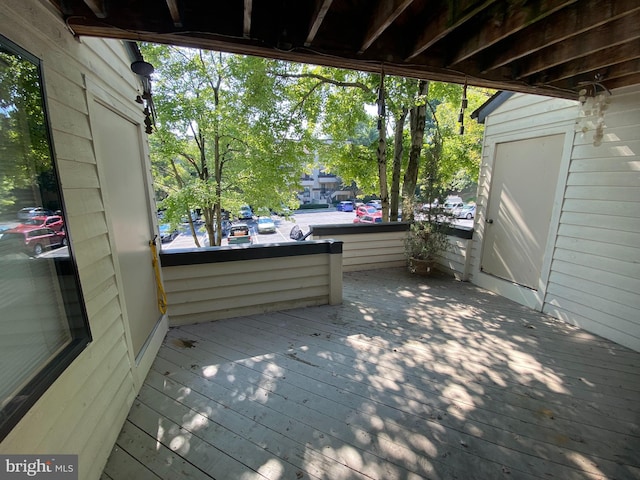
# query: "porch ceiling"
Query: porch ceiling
{"points": [[550, 47], [408, 378]]}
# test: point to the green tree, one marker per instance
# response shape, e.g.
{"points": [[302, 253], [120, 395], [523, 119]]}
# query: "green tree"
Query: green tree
{"points": [[225, 136], [24, 145], [453, 160]]}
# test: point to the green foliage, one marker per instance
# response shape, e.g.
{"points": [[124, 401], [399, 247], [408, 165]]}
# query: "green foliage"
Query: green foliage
{"points": [[426, 240], [24, 143], [225, 135], [455, 158], [251, 126]]}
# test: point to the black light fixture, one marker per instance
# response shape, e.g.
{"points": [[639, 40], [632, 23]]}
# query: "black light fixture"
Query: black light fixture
{"points": [[142, 68], [463, 106]]}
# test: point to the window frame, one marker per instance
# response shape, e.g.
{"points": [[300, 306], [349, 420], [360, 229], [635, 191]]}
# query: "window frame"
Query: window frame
{"points": [[73, 302]]}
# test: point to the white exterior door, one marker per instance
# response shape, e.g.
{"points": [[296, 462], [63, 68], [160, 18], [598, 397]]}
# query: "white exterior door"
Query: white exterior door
{"points": [[523, 188], [120, 152]]}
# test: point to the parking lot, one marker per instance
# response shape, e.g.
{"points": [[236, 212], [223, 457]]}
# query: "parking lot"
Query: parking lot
{"points": [[302, 218]]}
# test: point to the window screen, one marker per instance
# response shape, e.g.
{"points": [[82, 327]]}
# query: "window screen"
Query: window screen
{"points": [[42, 317]]}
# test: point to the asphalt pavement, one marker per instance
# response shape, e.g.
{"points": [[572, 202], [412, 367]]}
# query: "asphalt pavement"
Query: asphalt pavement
{"points": [[302, 218]]}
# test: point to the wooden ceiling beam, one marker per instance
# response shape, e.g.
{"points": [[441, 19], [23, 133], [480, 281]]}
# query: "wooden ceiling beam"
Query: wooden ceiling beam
{"points": [[618, 32], [499, 24], [385, 13], [442, 24], [175, 13], [565, 24], [591, 64], [222, 44], [322, 7], [98, 7], [246, 20], [620, 82]]}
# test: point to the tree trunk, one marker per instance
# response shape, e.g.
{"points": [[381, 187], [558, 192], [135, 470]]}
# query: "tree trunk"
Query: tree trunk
{"points": [[181, 185], [382, 152], [417, 121], [217, 207], [397, 165]]}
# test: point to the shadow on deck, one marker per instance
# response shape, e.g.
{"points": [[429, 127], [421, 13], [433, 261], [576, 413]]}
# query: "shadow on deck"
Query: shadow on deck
{"points": [[409, 378]]}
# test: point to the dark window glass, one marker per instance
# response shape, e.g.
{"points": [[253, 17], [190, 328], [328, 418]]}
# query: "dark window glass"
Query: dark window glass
{"points": [[42, 317]]}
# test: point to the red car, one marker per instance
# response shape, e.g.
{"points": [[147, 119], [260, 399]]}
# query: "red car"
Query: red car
{"points": [[367, 210], [368, 219], [33, 241], [54, 222]]}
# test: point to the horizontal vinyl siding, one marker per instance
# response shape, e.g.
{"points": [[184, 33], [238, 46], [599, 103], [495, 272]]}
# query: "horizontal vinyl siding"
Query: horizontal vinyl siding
{"points": [[368, 251], [206, 292], [456, 259], [526, 113], [595, 272], [520, 117], [82, 412]]}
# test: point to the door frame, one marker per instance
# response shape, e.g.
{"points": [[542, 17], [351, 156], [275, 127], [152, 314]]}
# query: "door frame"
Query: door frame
{"points": [[525, 296], [97, 94]]}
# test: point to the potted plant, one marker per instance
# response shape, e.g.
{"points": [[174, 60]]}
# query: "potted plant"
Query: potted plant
{"points": [[424, 242]]}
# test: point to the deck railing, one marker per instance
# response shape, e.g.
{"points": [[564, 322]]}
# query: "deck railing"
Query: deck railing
{"points": [[223, 282]]}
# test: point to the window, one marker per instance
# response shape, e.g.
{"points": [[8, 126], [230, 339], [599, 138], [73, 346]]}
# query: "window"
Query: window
{"points": [[42, 317]]}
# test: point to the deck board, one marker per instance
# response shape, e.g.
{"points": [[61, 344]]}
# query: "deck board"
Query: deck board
{"points": [[409, 378]]}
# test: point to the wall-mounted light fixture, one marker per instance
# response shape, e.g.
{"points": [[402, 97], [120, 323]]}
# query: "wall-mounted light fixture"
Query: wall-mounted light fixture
{"points": [[142, 68], [463, 107]]}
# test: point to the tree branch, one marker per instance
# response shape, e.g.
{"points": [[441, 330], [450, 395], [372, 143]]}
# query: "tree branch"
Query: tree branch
{"points": [[328, 80], [191, 161]]}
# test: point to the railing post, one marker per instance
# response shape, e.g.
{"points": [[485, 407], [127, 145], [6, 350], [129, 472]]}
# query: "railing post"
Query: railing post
{"points": [[335, 274]]}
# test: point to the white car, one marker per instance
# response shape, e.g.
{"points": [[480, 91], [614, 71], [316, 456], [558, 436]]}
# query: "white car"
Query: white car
{"points": [[266, 225], [467, 211]]}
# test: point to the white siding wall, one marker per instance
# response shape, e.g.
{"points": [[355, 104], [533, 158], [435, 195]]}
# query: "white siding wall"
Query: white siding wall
{"points": [[522, 116], [83, 411], [595, 272], [211, 291], [456, 260], [367, 251], [592, 276]]}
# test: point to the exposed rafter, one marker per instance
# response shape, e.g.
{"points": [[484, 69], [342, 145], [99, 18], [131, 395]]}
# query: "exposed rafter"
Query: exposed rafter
{"points": [[97, 7], [384, 14], [612, 62], [322, 7], [501, 21], [582, 45], [442, 24], [573, 20], [175, 14], [534, 46], [246, 20]]}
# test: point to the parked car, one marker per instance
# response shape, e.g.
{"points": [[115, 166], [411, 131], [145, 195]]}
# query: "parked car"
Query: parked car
{"points": [[167, 234], [449, 207], [266, 225], [377, 204], [29, 212], [54, 222], [195, 218], [33, 241], [467, 211], [226, 226], [245, 213], [345, 206], [366, 210], [368, 219], [239, 233]]}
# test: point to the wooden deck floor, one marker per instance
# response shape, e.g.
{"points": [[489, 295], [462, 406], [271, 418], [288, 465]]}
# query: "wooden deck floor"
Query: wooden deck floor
{"points": [[408, 379]]}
